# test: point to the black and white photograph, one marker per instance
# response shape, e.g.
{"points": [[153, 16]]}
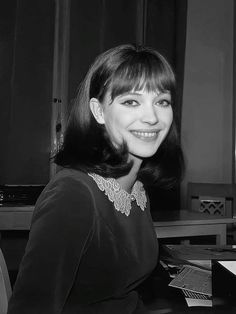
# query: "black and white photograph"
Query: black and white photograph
{"points": [[117, 156]]}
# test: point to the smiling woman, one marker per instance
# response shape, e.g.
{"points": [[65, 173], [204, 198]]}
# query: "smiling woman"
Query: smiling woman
{"points": [[92, 241], [128, 76], [141, 119]]}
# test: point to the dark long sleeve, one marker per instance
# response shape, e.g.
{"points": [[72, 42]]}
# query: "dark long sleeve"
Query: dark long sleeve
{"points": [[61, 229], [83, 256]]}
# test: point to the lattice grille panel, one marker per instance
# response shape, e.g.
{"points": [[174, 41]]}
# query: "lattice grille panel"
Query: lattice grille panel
{"points": [[212, 205]]}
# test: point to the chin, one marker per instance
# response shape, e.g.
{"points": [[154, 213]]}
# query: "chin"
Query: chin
{"points": [[144, 151], [142, 154]]}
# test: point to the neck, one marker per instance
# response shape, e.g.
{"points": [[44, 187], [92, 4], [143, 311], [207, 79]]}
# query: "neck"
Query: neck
{"points": [[127, 181]]}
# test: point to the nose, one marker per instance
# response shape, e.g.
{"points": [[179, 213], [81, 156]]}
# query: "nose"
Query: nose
{"points": [[149, 115]]}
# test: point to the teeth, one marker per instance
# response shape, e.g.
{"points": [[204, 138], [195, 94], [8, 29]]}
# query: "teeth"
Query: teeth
{"points": [[144, 134]]}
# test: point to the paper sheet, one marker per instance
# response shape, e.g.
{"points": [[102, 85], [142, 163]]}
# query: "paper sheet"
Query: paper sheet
{"points": [[198, 302], [230, 265]]}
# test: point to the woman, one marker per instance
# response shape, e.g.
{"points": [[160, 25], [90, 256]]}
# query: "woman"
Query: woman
{"points": [[92, 242]]}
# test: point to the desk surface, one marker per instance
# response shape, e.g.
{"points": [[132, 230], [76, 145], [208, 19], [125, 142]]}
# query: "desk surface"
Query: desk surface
{"points": [[198, 252], [24, 208], [184, 217], [171, 300]]}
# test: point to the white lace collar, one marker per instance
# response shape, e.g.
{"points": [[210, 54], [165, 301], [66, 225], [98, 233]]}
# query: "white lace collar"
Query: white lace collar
{"points": [[121, 199]]}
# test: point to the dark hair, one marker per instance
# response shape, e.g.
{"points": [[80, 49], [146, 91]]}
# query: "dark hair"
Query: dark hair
{"points": [[86, 143]]}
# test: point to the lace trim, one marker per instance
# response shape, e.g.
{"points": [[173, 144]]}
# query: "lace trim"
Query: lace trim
{"points": [[121, 199]]}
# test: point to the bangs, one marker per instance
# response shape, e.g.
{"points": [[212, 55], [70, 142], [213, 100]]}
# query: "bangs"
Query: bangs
{"points": [[136, 75]]}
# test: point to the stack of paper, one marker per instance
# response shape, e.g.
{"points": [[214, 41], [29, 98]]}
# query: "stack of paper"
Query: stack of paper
{"points": [[195, 284]]}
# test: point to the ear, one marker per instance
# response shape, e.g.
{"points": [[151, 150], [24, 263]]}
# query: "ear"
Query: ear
{"points": [[97, 110]]}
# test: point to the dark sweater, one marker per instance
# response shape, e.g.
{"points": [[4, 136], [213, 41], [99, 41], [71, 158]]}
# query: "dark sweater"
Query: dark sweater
{"points": [[83, 256]]}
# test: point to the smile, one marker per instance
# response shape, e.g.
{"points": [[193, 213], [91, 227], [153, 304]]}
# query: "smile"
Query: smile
{"points": [[145, 135]]}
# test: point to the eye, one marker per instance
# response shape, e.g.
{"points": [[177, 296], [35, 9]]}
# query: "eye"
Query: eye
{"points": [[164, 102], [130, 103]]}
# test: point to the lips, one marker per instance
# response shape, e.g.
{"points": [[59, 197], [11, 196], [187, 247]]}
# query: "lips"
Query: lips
{"points": [[149, 135]]}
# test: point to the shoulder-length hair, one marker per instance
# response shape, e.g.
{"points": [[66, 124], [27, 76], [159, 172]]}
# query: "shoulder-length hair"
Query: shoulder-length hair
{"points": [[86, 143]]}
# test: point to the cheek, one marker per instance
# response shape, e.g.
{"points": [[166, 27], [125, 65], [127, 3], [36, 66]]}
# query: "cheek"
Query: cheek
{"points": [[116, 122], [114, 129], [168, 118]]}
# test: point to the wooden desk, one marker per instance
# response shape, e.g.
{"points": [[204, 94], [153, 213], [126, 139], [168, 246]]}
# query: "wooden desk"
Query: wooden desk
{"points": [[183, 223], [16, 218], [168, 224]]}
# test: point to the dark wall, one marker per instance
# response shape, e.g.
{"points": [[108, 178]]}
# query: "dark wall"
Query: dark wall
{"points": [[26, 49], [96, 26], [7, 34]]}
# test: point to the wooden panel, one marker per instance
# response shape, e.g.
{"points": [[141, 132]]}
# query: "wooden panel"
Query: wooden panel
{"points": [[218, 230], [16, 218], [207, 112]]}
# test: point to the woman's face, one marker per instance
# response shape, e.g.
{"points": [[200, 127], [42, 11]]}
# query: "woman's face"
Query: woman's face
{"points": [[140, 118]]}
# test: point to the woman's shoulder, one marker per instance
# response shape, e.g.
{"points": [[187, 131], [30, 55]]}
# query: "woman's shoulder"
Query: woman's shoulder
{"points": [[67, 191], [67, 180], [73, 175]]}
